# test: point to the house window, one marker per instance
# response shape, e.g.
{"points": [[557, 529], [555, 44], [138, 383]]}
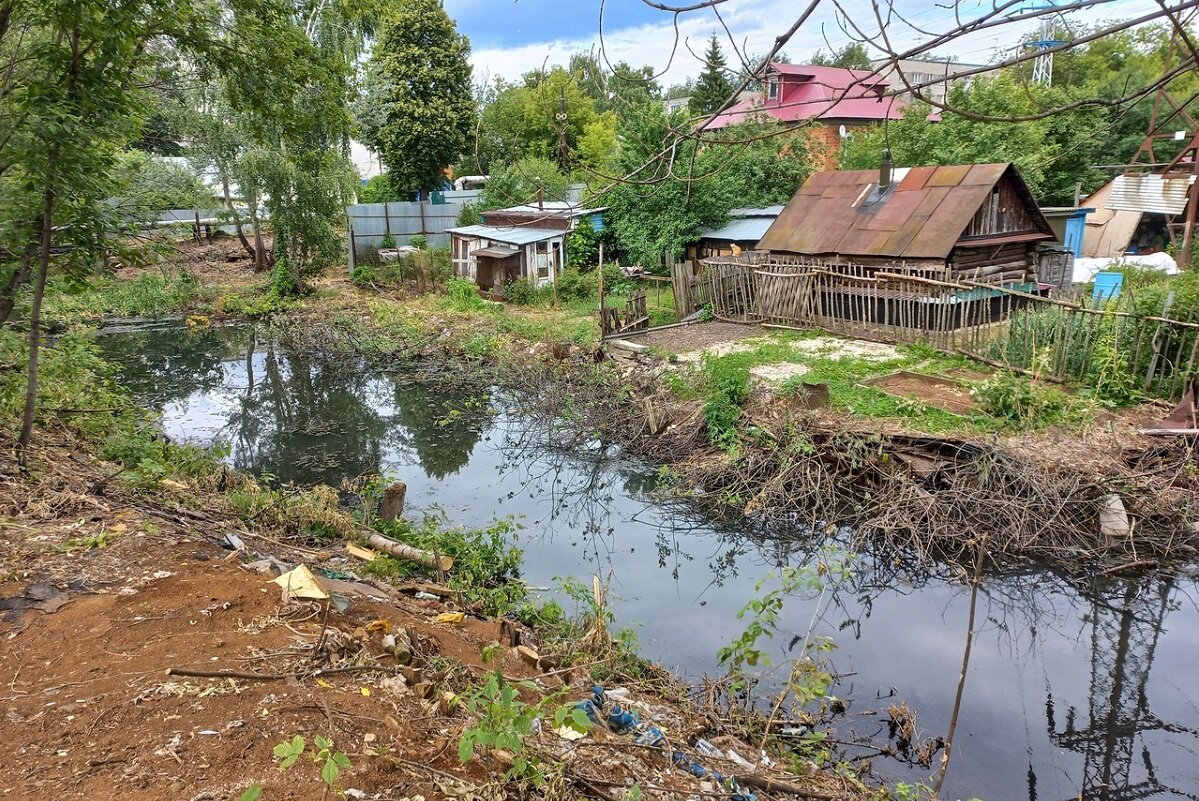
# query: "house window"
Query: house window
{"points": [[772, 90]]}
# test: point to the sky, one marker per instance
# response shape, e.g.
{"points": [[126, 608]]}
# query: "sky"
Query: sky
{"points": [[511, 37]]}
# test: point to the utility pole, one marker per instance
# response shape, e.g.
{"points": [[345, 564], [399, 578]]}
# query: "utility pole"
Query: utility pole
{"points": [[563, 147], [1042, 70]]}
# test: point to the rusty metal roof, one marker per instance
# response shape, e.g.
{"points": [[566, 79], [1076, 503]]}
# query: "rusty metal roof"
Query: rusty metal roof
{"points": [[923, 217]]}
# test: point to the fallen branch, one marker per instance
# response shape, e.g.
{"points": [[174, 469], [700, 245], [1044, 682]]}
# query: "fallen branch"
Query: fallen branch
{"points": [[299, 674], [408, 553]]}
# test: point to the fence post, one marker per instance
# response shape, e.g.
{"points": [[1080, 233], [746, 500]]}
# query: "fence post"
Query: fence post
{"points": [[353, 255]]}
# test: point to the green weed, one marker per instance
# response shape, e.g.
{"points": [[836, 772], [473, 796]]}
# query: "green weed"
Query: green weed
{"points": [[486, 560]]}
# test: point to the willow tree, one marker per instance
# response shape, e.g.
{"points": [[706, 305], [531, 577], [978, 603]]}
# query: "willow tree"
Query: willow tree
{"points": [[72, 96], [417, 108]]}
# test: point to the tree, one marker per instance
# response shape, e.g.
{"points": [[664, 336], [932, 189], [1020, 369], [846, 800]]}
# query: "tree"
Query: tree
{"points": [[519, 182], [417, 109], [678, 195], [853, 56], [71, 78], [147, 184], [379, 189], [713, 87], [522, 120], [1050, 153]]}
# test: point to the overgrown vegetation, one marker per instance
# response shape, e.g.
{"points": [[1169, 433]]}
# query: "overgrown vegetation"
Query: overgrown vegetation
{"points": [[486, 560]]}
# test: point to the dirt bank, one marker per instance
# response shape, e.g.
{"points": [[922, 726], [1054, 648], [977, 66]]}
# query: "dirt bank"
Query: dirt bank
{"points": [[113, 594]]}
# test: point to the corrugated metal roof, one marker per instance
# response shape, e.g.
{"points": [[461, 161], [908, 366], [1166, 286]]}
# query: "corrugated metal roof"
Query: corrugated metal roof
{"points": [[747, 229], [923, 217], [511, 236], [1150, 192], [765, 211]]}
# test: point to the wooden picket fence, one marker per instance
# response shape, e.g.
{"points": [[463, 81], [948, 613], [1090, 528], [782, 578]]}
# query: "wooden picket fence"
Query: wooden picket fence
{"points": [[1004, 325]]}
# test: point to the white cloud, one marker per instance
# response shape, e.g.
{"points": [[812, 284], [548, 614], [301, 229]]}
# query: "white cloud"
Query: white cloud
{"points": [[755, 24]]}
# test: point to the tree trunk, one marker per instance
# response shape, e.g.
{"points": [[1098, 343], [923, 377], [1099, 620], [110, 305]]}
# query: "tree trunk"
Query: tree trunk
{"points": [[260, 264], [237, 225], [20, 277], [35, 316]]}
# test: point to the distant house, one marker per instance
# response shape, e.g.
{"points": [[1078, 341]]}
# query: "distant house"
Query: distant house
{"points": [[673, 104], [977, 222], [840, 100], [933, 79], [742, 232], [1133, 213], [526, 241]]}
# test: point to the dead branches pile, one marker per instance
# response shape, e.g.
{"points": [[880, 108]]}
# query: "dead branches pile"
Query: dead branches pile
{"points": [[932, 496]]}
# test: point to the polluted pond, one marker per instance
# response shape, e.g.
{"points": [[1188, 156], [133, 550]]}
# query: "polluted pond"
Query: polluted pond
{"points": [[1073, 687]]}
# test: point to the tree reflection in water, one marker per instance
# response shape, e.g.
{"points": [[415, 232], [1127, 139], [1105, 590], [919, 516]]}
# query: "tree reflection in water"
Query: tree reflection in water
{"points": [[1103, 734]]}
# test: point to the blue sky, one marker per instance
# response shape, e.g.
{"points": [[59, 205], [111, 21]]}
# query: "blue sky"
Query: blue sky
{"points": [[506, 23], [510, 37]]}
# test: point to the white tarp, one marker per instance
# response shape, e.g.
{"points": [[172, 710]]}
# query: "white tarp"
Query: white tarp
{"points": [[1149, 192], [1085, 269]]}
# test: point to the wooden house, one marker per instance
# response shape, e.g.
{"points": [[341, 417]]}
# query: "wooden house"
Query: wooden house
{"points": [[977, 222], [831, 103], [527, 241]]}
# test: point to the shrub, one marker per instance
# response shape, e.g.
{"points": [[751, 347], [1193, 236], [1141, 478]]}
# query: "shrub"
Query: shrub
{"points": [[1017, 400], [728, 388], [520, 292], [463, 294], [469, 215], [387, 243]]}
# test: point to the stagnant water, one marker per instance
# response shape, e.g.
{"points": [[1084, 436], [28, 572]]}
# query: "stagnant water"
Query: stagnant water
{"points": [[1073, 691]]}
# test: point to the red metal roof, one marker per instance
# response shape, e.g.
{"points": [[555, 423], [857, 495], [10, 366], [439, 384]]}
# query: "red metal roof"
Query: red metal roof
{"points": [[808, 92], [924, 217]]}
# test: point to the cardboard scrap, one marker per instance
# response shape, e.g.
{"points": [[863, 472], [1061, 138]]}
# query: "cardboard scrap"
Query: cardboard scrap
{"points": [[301, 583]]}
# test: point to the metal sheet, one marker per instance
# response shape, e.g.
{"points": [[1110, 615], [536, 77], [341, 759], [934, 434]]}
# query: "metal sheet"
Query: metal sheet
{"points": [[1147, 192], [921, 219], [949, 175], [510, 236]]}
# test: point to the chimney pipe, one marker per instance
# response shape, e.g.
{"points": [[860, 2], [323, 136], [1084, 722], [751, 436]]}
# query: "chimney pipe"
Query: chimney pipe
{"points": [[540, 199], [884, 171]]}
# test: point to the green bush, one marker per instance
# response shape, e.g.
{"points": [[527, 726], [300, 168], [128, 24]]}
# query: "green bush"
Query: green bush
{"points": [[469, 215], [1017, 400], [486, 560], [520, 292], [727, 384], [387, 243], [463, 295]]}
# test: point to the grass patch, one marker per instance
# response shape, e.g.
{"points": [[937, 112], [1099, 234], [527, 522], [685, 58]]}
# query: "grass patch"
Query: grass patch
{"points": [[150, 294]]}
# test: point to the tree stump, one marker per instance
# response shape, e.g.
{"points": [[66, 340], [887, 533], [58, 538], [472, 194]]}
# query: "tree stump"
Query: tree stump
{"points": [[392, 505]]}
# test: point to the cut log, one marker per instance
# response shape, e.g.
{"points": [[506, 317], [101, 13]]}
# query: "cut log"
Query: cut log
{"points": [[408, 553]]}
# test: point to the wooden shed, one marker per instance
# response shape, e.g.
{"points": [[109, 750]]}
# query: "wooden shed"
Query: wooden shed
{"points": [[977, 222]]}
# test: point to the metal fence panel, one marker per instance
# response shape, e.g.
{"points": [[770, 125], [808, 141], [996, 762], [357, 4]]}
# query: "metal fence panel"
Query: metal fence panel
{"points": [[371, 223]]}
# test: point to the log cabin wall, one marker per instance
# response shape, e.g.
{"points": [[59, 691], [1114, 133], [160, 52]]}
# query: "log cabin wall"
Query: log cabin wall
{"points": [[995, 264]]}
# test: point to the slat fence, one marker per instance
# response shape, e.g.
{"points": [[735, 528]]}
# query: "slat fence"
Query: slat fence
{"points": [[1058, 339]]}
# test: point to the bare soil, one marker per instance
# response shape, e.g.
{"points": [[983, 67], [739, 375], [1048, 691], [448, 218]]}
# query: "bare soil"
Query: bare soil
{"points": [[928, 389], [105, 590], [697, 336]]}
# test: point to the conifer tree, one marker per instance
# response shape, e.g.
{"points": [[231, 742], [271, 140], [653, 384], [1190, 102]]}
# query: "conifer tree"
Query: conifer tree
{"points": [[713, 86]]}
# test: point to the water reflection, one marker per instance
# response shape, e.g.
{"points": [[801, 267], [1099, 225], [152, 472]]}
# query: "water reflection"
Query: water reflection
{"points": [[1075, 689], [296, 417]]}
